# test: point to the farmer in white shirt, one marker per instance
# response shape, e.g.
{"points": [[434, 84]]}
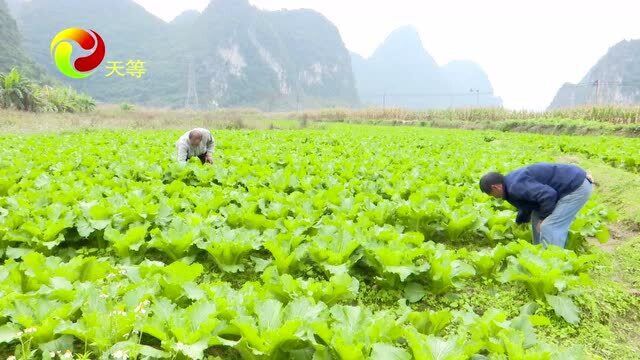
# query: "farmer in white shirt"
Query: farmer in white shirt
{"points": [[195, 143]]}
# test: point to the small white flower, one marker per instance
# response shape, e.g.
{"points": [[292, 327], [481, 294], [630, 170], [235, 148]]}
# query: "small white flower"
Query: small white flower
{"points": [[19, 334], [123, 272], [111, 276], [104, 296], [11, 357], [140, 309], [30, 330], [52, 354], [67, 355]]}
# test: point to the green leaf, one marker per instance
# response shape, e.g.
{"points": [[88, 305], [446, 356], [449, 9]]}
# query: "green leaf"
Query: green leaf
{"points": [[564, 307], [16, 253], [523, 324], [603, 235], [132, 239], [441, 349], [539, 320], [193, 351], [260, 264], [382, 351], [63, 343], [414, 292], [430, 322], [269, 314], [193, 291], [8, 333], [149, 352]]}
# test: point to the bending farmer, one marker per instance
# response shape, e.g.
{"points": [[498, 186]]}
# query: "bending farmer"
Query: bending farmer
{"points": [[195, 143], [548, 195]]}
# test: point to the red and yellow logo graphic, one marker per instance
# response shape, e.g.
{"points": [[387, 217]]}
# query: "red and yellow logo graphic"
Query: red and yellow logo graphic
{"points": [[62, 49]]}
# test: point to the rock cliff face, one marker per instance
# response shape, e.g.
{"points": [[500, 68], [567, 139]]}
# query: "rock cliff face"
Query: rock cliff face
{"points": [[614, 79], [274, 58], [404, 70], [241, 56]]}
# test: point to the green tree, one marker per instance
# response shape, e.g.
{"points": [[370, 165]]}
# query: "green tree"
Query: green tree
{"points": [[16, 91]]}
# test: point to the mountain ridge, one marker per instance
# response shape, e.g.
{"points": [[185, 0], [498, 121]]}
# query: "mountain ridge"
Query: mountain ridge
{"points": [[614, 79], [401, 73], [242, 56], [12, 53]]}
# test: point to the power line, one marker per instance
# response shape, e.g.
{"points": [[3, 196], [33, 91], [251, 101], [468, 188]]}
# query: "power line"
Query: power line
{"points": [[387, 98], [388, 95], [606, 83]]}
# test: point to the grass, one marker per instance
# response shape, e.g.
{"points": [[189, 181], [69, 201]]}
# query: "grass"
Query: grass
{"points": [[117, 117], [619, 189], [612, 331], [628, 259], [580, 121], [126, 116]]}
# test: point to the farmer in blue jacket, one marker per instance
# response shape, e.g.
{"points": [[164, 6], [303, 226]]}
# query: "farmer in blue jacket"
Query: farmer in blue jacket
{"points": [[548, 195]]}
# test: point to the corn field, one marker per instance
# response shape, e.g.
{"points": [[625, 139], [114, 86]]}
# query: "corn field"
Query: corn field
{"points": [[608, 114]]}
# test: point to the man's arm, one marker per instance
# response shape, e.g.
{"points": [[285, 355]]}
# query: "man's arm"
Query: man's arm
{"points": [[544, 195], [523, 217], [182, 151], [210, 146]]}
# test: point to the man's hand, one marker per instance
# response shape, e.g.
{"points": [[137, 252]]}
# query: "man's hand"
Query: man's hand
{"points": [[208, 159], [539, 226], [590, 178]]}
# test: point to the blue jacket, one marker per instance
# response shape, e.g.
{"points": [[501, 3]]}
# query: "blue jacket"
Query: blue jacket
{"points": [[538, 187]]}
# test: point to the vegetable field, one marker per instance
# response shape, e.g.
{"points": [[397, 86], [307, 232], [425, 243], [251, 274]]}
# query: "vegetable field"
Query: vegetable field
{"points": [[351, 242]]}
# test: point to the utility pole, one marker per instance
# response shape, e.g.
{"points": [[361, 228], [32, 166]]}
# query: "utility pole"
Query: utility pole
{"points": [[597, 85], [191, 101], [384, 101], [298, 94]]}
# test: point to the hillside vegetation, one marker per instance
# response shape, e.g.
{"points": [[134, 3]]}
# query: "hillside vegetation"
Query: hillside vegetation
{"points": [[614, 79], [11, 52], [19, 93], [241, 56]]}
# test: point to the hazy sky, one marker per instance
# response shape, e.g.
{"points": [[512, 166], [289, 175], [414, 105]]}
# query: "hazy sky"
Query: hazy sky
{"points": [[528, 48]]}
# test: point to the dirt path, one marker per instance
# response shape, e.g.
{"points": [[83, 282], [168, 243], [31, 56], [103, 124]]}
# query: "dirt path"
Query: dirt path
{"points": [[619, 190]]}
